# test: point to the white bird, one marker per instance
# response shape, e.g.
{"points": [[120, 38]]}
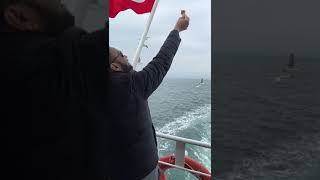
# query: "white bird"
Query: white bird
{"points": [[145, 46]]}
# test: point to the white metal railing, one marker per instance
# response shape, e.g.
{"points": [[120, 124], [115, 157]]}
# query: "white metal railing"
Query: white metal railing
{"points": [[180, 151]]}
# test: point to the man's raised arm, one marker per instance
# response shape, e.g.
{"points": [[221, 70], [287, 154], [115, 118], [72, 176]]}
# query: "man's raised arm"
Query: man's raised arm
{"points": [[152, 75]]}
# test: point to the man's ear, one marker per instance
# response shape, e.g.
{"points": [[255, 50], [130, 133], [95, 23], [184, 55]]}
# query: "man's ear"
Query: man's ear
{"points": [[22, 18], [116, 67]]}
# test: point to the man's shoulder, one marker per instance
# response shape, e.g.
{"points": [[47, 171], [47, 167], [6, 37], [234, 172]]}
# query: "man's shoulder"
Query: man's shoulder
{"points": [[120, 78], [129, 81]]}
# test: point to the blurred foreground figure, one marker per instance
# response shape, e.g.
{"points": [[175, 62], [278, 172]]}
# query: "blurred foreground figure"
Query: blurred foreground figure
{"points": [[54, 87]]}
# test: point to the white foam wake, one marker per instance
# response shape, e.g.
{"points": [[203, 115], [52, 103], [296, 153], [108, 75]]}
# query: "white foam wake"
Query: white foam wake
{"points": [[183, 122]]}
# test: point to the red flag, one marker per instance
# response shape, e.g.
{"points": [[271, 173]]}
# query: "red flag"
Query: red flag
{"points": [[138, 6]]}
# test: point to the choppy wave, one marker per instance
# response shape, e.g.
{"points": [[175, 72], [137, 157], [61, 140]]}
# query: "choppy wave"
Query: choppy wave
{"points": [[273, 130], [194, 123], [288, 160], [185, 121], [179, 109]]}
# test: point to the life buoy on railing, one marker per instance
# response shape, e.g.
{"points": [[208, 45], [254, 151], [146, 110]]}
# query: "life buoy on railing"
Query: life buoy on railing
{"points": [[188, 163]]}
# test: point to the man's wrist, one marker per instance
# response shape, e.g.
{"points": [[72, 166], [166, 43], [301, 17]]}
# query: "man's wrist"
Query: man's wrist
{"points": [[175, 32], [177, 29]]}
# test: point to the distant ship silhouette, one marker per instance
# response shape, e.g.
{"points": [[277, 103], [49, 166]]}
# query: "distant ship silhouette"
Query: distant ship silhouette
{"points": [[289, 70], [291, 61], [291, 67], [201, 82]]}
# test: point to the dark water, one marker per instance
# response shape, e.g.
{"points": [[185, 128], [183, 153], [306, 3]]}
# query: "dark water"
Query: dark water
{"points": [[182, 107], [265, 128]]}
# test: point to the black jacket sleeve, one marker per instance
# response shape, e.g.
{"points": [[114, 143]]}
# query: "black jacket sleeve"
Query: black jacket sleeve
{"points": [[148, 79]]}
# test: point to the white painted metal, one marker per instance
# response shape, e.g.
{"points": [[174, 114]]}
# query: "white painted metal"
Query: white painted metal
{"points": [[185, 140], [144, 35], [180, 149]]}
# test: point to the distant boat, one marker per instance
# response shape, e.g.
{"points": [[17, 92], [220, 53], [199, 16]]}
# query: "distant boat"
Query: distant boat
{"points": [[201, 82], [289, 70], [291, 66], [291, 61]]}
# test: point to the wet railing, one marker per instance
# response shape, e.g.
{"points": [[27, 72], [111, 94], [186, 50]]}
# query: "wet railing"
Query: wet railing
{"points": [[180, 151]]}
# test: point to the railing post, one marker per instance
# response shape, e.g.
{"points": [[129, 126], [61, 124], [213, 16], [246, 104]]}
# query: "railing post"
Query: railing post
{"points": [[180, 150]]}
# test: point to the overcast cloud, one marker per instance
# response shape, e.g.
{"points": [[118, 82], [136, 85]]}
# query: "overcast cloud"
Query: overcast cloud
{"points": [[193, 59], [270, 27]]}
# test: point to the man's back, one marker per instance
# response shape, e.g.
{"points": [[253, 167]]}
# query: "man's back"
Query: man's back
{"points": [[131, 132], [132, 142]]}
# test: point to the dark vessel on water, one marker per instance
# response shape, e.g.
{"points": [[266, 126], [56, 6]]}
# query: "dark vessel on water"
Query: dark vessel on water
{"points": [[291, 61]]}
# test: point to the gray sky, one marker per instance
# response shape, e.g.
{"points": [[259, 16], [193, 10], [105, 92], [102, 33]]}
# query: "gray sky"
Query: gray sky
{"points": [[271, 27], [193, 59]]}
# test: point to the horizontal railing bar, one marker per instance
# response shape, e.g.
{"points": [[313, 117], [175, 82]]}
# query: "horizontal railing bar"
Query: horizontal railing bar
{"points": [[185, 169], [185, 140]]}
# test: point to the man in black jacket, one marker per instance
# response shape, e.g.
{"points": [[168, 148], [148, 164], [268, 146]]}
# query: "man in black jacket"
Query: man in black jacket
{"points": [[133, 150], [53, 93]]}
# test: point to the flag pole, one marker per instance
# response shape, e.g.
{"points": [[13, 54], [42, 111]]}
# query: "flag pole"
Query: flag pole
{"points": [[144, 35]]}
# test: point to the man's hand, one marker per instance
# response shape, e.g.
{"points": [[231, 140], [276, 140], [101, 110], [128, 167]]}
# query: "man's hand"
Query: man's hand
{"points": [[183, 22]]}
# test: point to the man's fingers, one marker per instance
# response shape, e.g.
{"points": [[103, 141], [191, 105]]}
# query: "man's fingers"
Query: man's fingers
{"points": [[187, 17], [183, 21], [183, 13]]}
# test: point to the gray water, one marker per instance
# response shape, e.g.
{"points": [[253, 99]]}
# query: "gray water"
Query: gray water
{"points": [[182, 107], [266, 129]]}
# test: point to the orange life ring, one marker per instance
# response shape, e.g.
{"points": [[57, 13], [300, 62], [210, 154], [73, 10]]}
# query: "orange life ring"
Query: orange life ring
{"points": [[188, 163]]}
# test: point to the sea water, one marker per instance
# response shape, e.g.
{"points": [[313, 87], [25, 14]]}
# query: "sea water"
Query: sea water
{"points": [[182, 107]]}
